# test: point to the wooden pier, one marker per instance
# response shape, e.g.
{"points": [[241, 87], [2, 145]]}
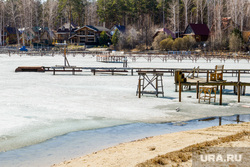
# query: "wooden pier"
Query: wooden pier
{"points": [[110, 56], [156, 82], [238, 87], [72, 69]]}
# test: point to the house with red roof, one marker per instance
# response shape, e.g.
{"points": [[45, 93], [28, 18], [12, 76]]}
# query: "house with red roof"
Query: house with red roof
{"points": [[199, 31]]}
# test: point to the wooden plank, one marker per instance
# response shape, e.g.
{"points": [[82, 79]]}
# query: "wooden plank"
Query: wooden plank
{"points": [[30, 69]]}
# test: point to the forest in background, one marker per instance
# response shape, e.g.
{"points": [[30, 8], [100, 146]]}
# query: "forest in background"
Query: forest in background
{"points": [[142, 16]]}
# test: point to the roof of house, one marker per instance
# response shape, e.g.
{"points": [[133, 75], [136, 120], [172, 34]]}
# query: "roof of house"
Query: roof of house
{"points": [[166, 31], [119, 27], [95, 28], [199, 29], [98, 28], [11, 30], [66, 27]]}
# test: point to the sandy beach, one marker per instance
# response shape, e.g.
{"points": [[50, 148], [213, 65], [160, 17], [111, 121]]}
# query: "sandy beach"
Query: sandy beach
{"points": [[136, 152]]}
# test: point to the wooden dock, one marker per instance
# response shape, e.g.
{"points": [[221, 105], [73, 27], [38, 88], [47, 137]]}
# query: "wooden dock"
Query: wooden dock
{"points": [[179, 56], [238, 87], [72, 69], [132, 70]]}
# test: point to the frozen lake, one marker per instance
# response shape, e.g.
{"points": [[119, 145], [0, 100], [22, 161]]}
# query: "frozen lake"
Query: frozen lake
{"points": [[36, 107]]}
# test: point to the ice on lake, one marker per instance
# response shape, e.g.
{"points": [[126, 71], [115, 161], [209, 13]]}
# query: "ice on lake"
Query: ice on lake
{"points": [[35, 107]]}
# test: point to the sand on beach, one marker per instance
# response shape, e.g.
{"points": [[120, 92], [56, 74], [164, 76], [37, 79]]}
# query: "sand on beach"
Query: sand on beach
{"points": [[136, 152]]}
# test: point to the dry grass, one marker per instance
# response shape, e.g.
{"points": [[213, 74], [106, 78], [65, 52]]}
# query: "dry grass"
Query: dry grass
{"points": [[177, 157]]}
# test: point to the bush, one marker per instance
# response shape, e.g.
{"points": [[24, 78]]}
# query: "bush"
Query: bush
{"points": [[188, 43], [158, 39], [115, 38], [128, 40], [103, 38], [235, 42], [166, 44], [177, 44], [170, 45]]}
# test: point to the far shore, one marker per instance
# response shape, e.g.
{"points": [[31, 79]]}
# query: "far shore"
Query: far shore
{"points": [[152, 150]]}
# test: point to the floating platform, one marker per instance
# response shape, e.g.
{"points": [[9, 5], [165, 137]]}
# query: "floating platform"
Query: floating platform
{"points": [[30, 69]]}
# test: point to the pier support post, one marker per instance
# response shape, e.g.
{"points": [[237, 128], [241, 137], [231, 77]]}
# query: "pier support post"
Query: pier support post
{"points": [[197, 89], [139, 88], [219, 121], [180, 89], [220, 94], [239, 88], [238, 119], [207, 75], [239, 76], [239, 92]]}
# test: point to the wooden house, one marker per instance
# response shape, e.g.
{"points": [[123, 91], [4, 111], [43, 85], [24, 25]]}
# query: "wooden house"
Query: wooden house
{"points": [[246, 36], [88, 35], [64, 32], [199, 31], [47, 36], [9, 35]]}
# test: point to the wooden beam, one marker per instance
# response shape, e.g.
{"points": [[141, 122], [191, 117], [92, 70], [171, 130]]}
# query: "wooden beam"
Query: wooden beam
{"points": [[139, 87], [238, 92], [207, 75], [197, 89], [239, 76], [220, 94], [180, 91]]}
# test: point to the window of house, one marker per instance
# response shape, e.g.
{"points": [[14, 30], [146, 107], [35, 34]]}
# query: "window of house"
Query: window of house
{"points": [[91, 39], [82, 40], [83, 32], [91, 33]]}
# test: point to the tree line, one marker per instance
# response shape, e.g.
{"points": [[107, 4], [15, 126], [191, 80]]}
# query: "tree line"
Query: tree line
{"points": [[143, 16]]}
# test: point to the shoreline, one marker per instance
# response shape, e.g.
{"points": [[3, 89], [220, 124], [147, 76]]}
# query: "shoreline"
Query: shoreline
{"points": [[136, 152]]}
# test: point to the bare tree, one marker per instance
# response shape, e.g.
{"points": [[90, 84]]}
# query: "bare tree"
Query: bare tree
{"points": [[187, 4], [2, 12], [197, 10], [91, 17], [173, 16], [50, 12], [243, 7], [247, 15], [202, 6], [209, 13], [13, 12]]}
